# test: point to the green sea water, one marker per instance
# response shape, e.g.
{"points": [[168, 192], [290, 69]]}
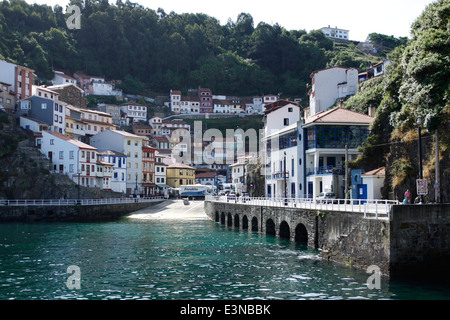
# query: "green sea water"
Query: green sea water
{"points": [[176, 259]]}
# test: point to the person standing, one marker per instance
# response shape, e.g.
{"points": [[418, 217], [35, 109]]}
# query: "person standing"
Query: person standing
{"points": [[407, 196]]}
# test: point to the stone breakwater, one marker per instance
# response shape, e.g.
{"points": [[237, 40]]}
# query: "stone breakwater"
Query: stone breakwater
{"points": [[96, 212], [413, 243]]}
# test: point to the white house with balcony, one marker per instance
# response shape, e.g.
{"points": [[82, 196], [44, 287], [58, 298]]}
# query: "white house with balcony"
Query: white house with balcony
{"points": [[118, 160], [329, 86], [284, 171], [336, 33], [134, 111], [328, 134]]}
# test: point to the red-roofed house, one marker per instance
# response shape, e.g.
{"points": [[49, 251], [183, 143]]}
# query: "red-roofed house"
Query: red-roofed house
{"points": [[328, 134], [74, 158]]}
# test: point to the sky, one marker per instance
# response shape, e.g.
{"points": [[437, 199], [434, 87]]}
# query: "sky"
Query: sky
{"points": [[361, 17]]}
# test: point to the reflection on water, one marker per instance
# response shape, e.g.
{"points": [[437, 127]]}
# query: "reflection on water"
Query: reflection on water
{"points": [[173, 259]]}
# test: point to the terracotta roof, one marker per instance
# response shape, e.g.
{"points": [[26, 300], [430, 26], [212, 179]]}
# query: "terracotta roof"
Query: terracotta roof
{"points": [[205, 175], [161, 138], [277, 105], [339, 115], [377, 172]]}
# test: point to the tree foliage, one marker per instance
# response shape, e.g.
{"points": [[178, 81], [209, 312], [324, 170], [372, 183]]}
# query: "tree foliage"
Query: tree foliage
{"points": [[167, 50], [415, 85]]}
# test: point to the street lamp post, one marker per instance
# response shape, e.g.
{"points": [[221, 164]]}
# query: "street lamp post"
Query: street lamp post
{"points": [[419, 124], [284, 174]]}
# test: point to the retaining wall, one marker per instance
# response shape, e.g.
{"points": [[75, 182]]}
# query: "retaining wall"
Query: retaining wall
{"points": [[70, 212], [416, 239]]}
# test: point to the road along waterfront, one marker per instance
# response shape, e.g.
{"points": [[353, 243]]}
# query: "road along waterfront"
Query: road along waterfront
{"points": [[173, 251]]}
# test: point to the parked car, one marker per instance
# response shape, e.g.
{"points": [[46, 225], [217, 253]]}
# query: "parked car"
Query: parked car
{"points": [[326, 197]]}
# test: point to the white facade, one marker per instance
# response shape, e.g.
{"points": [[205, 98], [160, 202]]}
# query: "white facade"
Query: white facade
{"points": [[71, 157], [336, 33], [258, 105], [7, 73], [44, 92], [221, 106], [284, 163], [61, 78], [329, 85], [135, 111], [280, 117], [128, 144], [102, 88], [119, 170], [175, 101], [161, 175], [156, 123], [374, 181], [283, 150]]}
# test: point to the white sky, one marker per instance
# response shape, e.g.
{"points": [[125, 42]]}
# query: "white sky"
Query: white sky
{"points": [[361, 17]]}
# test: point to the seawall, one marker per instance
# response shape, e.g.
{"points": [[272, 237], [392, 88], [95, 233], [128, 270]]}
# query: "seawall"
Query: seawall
{"points": [[97, 212], [415, 239]]}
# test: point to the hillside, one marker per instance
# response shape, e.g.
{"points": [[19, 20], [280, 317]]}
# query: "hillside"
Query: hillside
{"points": [[416, 85], [158, 51]]}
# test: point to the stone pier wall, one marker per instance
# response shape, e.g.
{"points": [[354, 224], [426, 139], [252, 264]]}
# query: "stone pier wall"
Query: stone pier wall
{"points": [[70, 212], [416, 238]]}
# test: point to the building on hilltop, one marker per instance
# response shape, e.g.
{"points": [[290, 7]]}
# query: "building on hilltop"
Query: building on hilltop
{"points": [[335, 33]]}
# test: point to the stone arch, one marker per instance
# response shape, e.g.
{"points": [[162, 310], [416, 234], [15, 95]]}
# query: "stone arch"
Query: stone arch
{"points": [[255, 224], [301, 234], [270, 227], [222, 218], [285, 231], [229, 220], [236, 220], [244, 222]]}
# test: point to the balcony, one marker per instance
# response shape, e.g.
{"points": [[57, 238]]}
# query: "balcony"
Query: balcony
{"points": [[338, 170], [280, 175]]}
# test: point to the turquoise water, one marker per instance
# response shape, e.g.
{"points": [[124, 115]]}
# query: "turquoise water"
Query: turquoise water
{"points": [[175, 259]]}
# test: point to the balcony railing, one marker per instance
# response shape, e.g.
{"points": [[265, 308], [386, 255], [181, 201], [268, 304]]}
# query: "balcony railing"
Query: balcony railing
{"points": [[83, 202], [339, 170], [378, 209], [280, 175]]}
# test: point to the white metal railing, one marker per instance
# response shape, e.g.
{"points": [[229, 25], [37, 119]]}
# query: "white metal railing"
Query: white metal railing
{"points": [[83, 202], [369, 208]]}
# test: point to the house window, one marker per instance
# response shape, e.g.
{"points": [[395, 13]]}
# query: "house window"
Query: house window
{"points": [[286, 121], [71, 154], [52, 142], [290, 109], [43, 106], [61, 154]]}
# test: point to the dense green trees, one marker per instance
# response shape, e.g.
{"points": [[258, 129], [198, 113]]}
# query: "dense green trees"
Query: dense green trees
{"points": [[416, 84], [168, 50]]}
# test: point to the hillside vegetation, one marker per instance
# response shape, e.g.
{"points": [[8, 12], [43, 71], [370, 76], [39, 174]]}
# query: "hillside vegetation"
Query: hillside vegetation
{"points": [[162, 51], [416, 85]]}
